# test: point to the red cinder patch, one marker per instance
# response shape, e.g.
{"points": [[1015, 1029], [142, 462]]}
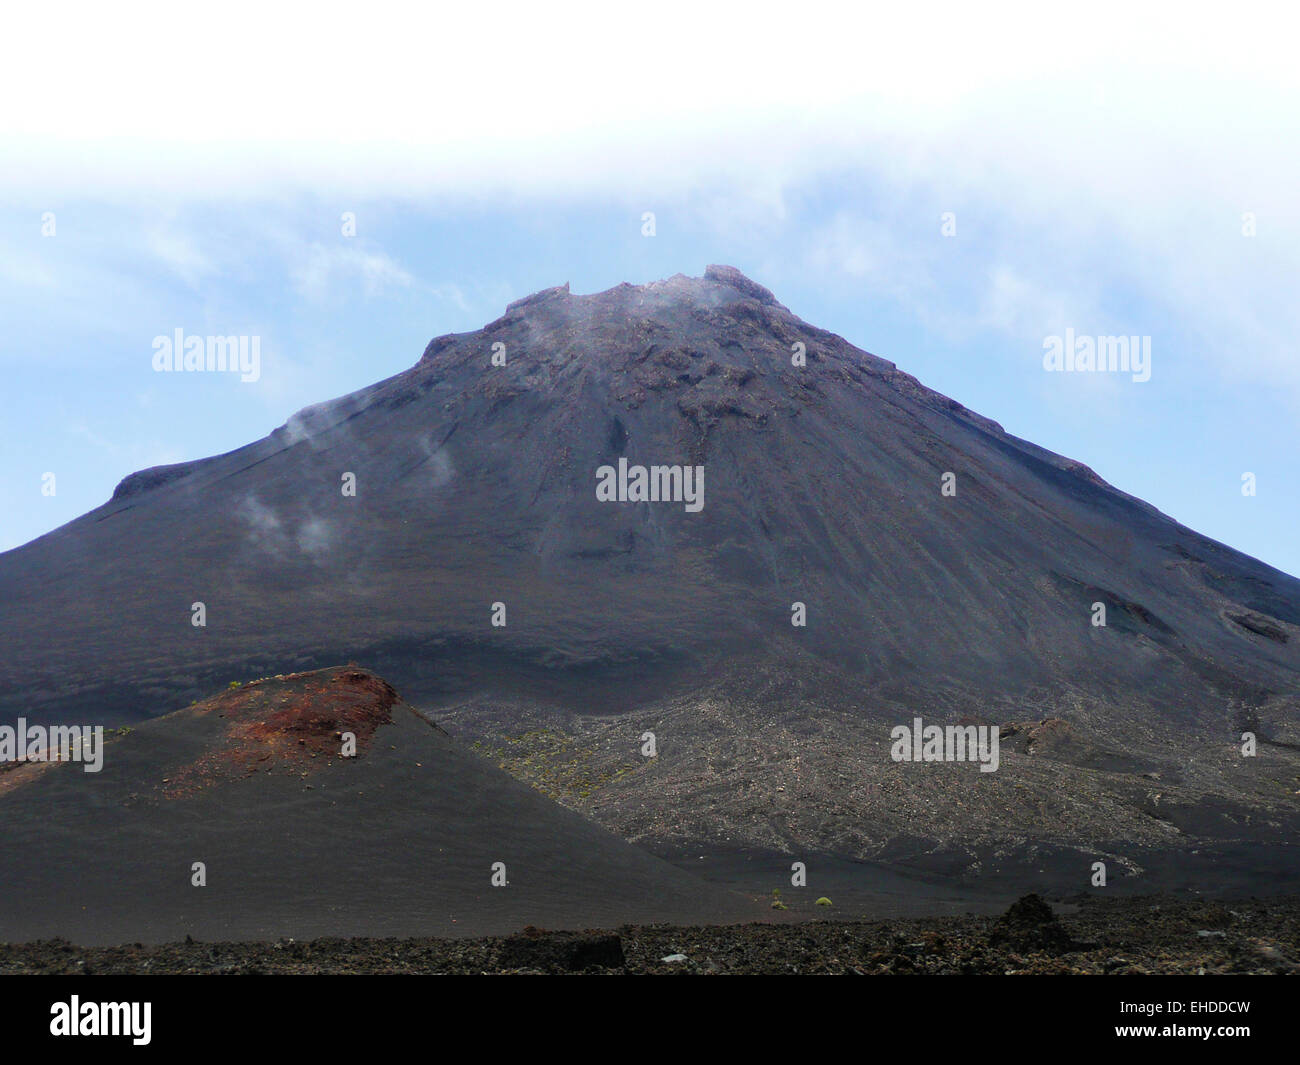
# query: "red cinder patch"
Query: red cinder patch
{"points": [[291, 724]]}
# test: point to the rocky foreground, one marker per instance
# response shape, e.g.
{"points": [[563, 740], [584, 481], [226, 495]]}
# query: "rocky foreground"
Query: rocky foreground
{"points": [[1154, 934]]}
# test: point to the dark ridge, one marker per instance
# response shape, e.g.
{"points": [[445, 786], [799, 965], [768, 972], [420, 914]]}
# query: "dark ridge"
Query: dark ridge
{"points": [[1122, 614], [555, 292], [438, 344], [1260, 627], [134, 484], [729, 275]]}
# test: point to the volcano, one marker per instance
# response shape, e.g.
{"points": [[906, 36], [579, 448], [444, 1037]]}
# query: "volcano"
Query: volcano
{"points": [[865, 551]]}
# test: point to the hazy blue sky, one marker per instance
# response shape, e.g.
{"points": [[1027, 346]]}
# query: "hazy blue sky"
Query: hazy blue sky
{"points": [[1117, 178]]}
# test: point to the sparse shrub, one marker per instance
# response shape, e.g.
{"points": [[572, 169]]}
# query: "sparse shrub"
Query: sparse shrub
{"points": [[777, 904]]}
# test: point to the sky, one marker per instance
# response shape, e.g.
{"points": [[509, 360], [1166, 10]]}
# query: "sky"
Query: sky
{"points": [[946, 188]]}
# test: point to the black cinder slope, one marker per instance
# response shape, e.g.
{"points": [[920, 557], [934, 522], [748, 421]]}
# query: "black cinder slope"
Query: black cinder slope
{"points": [[399, 840]]}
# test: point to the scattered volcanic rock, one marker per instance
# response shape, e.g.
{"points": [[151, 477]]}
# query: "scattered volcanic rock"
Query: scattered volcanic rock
{"points": [[476, 486], [551, 952], [1118, 936], [1030, 925]]}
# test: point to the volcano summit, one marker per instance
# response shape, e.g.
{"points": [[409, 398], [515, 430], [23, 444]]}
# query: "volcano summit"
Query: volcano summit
{"points": [[870, 552]]}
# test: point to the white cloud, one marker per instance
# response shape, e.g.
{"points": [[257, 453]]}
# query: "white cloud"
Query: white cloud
{"points": [[1020, 306], [179, 254], [564, 98], [17, 268], [323, 268], [1115, 146]]}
